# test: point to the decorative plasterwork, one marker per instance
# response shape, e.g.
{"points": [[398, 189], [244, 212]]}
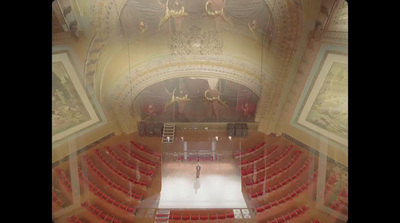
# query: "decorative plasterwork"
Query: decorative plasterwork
{"points": [[196, 42], [340, 18], [286, 16], [287, 20], [104, 20], [145, 75]]}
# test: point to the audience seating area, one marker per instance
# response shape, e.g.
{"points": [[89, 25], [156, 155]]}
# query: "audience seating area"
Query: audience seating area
{"points": [[110, 182], [269, 164], [142, 161], [74, 219], [103, 196], [283, 182], [274, 178], [57, 199], [146, 151], [251, 161], [99, 213], [250, 151], [134, 180], [260, 178], [127, 164], [64, 180], [296, 192], [290, 215], [203, 216]]}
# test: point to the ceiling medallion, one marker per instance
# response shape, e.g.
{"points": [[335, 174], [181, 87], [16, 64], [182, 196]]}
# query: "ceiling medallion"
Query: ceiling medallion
{"points": [[195, 42]]}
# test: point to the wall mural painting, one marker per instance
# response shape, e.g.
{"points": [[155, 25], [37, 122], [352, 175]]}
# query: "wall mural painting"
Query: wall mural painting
{"points": [[329, 110], [325, 111], [197, 100], [67, 108], [71, 108]]}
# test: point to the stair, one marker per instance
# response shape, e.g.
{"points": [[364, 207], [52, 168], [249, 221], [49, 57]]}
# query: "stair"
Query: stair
{"points": [[168, 135], [162, 216]]}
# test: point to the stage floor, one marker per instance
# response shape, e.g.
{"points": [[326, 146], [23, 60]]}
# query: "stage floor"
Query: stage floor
{"points": [[219, 186]]}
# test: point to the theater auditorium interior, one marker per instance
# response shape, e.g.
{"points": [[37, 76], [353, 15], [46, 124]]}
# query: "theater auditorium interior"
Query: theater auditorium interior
{"points": [[254, 92]]}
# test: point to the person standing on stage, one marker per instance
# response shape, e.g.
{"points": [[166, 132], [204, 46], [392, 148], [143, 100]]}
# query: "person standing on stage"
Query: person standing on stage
{"points": [[198, 168]]}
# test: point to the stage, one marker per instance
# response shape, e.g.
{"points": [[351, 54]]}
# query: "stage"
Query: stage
{"points": [[219, 185]]}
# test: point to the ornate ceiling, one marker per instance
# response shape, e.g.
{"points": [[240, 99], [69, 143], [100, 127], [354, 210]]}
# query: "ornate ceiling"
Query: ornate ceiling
{"points": [[133, 44]]}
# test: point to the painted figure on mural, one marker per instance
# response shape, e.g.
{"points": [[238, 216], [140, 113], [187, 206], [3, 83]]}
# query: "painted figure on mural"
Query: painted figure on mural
{"points": [[198, 168], [151, 111], [246, 112]]}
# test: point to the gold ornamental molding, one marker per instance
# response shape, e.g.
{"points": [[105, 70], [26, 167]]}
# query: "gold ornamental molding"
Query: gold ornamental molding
{"points": [[126, 89], [286, 14], [172, 13]]}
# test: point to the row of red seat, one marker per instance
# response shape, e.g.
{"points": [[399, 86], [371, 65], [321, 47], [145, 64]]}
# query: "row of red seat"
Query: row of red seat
{"points": [[294, 213], [57, 199], [339, 205], [205, 217], [332, 178], [256, 165], [275, 173], [258, 158], [64, 179], [322, 194], [102, 195], [250, 150], [101, 214], [142, 160], [131, 166], [284, 181], [296, 192], [268, 164], [316, 221], [110, 182], [74, 219], [121, 173], [143, 148]]}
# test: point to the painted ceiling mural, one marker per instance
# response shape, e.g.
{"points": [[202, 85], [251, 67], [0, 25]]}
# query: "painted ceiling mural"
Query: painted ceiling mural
{"points": [[192, 99]]}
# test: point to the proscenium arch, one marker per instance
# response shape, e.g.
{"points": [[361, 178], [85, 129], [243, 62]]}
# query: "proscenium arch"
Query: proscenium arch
{"points": [[279, 11], [125, 92]]}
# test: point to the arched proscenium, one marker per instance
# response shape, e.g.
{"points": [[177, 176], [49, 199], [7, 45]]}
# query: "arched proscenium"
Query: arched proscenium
{"points": [[124, 92], [284, 26]]}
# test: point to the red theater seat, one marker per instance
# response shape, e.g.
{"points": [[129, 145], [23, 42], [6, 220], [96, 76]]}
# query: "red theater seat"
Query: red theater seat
{"points": [[286, 217], [203, 217], [293, 214], [267, 206], [131, 210], [177, 217], [287, 197], [274, 203], [212, 216], [185, 217], [221, 216], [194, 217], [280, 219], [230, 215]]}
